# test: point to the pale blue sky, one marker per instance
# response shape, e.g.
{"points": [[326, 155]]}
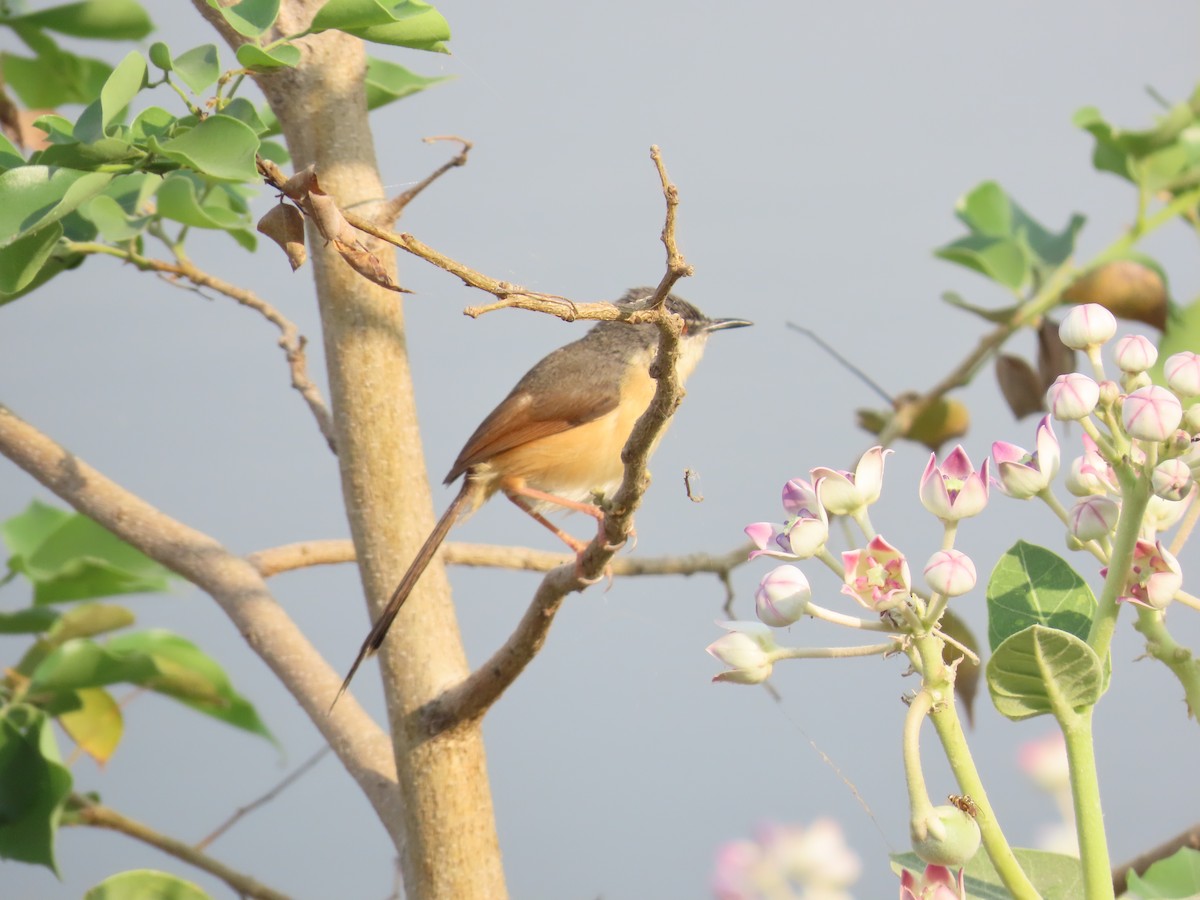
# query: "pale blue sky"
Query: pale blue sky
{"points": [[818, 149]]}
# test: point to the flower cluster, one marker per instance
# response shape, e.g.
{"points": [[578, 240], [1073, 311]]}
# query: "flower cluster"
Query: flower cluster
{"points": [[1139, 447], [787, 862]]}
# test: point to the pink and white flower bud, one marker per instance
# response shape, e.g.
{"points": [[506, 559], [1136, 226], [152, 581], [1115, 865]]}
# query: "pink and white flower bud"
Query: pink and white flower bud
{"points": [[950, 573], [1087, 325], [1090, 473], [1135, 353], [954, 490], [1191, 420], [1151, 413], [1072, 396], [1182, 371], [749, 650], [782, 596], [845, 493], [1162, 515], [1154, 578], [769, 539], [1093, 518], [1171, 479], [1022, 474], [937, 883], [799, 497], [1045, 761]]}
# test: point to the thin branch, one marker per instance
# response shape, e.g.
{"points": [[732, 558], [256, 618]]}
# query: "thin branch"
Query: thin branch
{"points": [[475, 695], [98, 816], [242, 811], [290, 340], [1140, 863], [276, 560], [364, 749], [393, 208]]}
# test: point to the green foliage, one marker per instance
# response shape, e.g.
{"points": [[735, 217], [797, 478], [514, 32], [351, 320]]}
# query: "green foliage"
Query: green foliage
{"points": [[402, 23], [36, 786], [1032, 586], [1004, 242], [1055, 876], [145, 884], [94, 178], [1163, 158], [68, 556], [1175, 878], [1043, 670]]}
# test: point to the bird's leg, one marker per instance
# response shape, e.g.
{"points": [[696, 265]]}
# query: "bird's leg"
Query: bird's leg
{"points": [[515, 494]]}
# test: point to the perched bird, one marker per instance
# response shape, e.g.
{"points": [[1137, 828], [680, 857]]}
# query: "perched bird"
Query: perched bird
{"points": [[556, 439]]}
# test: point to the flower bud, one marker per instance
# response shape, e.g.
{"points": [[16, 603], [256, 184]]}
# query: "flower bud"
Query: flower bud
{"points": [[749, 651], [1135, 353], [1191, 420], [1093, 518], [1072, 396], [1151, 413], [782, 596], [1154, 576], [950, 572], [1171, 479], [1182, 371], [947, 836], [1022, 474], [1089, 325]]}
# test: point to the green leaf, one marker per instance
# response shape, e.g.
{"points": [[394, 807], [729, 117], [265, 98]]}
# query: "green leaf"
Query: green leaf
{"points": [[104, 152], [220, 146], [1000, 259], [243, 110], [68, 556], [54, 266], [54, 76], [31, 620], [160, 55], [249, 17], [199, 67], [192, 677], [1056, 877], [31, 768], [10, 156], [1032, 586], [178, 200], [145, 884], [21, 260], [36, 196], [111, 20], [126, 80], [96, 726], [153, 121], [260, 59], [113, 222], [403, 23], [1175, 878], [1043, 670], [87, 620], [387, 82], [986, 210], [82, 663]]}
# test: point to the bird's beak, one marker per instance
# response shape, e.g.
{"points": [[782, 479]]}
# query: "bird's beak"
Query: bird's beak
{"points": [[721, 324]]}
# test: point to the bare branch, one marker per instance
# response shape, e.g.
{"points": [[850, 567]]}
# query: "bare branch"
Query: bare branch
{"points": [[475, 695], [100, 816], [242, 811], [393, 208], [238, 588], [289, 557], [290, 340]]}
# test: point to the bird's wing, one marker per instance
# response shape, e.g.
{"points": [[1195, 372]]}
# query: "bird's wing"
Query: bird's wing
{"points": [[560, 405]]}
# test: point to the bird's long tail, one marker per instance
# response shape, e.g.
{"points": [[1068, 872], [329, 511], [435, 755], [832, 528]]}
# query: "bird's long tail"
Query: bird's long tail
{"points": [[415, 570]]}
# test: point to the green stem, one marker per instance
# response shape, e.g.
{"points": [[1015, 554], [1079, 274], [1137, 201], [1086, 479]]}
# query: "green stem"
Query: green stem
{"points": [[939, 679], [1136, 492], [1085, 795], [1163, 647]]}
